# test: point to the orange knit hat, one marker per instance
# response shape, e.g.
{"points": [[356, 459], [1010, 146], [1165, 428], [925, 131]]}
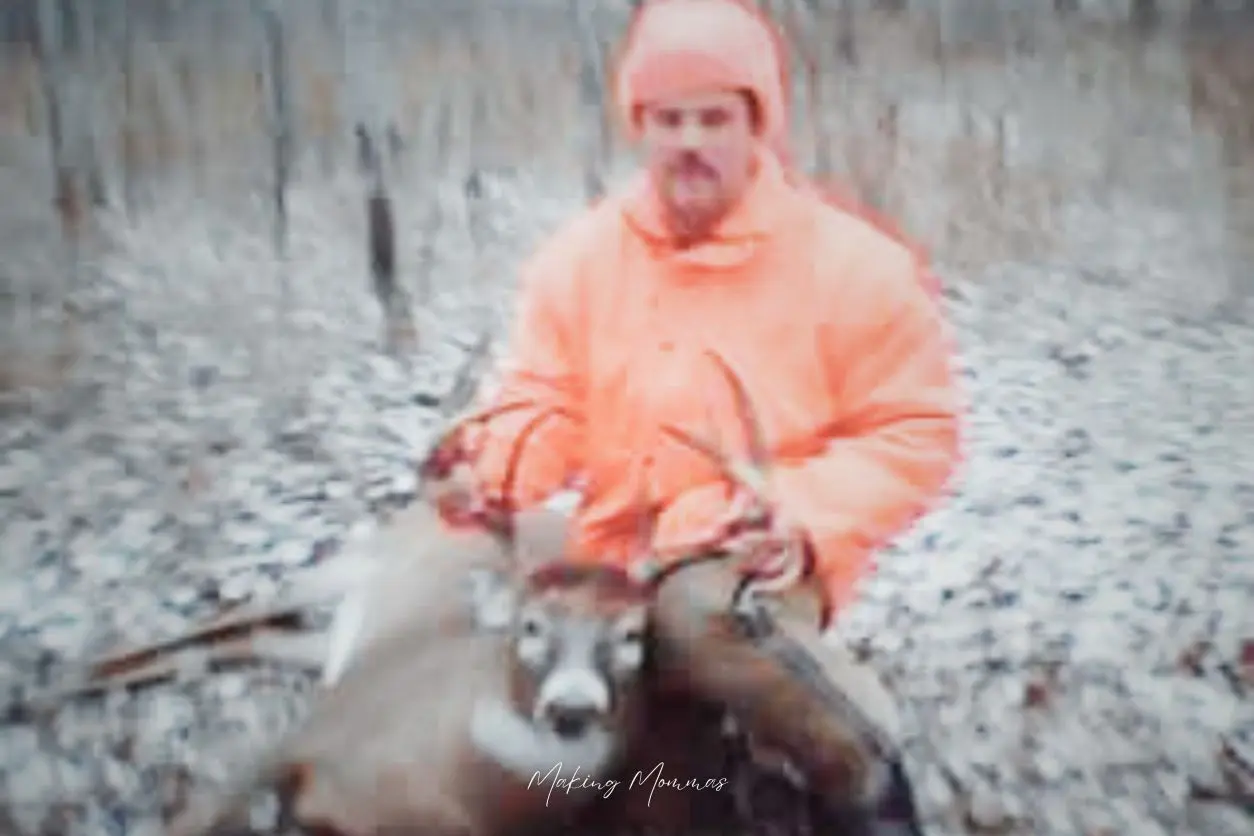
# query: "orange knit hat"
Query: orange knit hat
{"points": [[681, 47]]}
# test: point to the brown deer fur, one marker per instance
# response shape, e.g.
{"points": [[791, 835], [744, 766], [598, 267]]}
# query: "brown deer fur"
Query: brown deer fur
{"points": [[445, 738]]}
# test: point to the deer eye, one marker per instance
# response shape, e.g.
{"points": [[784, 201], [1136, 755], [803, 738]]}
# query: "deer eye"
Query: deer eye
{"points": [[533, 641], [631, 634], [629, 629], [532, 627], [628, 645]]}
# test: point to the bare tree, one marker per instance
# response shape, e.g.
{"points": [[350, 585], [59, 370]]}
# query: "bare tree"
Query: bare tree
{"points": [[87, 14], [592, 75], [68, 192], [129, 128], [282, 127], [1145, 14], [363, 72], [847, 31]]}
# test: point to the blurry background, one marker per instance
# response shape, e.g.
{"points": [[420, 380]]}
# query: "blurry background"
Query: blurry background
{"points": [[213, 365], [994, 131]]}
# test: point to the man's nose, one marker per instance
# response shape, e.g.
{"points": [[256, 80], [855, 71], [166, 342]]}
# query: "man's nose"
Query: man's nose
{"points": [[690, 134]]}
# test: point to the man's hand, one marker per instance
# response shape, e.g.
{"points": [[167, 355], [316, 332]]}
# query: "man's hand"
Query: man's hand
{"points": [[772, 550], [448, 478], [762, 541]]}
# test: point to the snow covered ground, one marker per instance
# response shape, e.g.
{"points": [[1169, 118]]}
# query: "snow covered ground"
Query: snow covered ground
{"points": [[1069, 634]]}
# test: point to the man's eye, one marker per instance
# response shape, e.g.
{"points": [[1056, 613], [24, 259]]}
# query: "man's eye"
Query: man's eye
{"points": [[715, 118], [668, 119]]}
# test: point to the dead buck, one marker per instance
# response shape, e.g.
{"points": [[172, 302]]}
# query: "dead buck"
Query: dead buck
{"points": [[454, 723], [465, 674], [460, 735]]}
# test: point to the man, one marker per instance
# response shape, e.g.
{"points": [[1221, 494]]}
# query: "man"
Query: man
{"points": [[716, 250]]}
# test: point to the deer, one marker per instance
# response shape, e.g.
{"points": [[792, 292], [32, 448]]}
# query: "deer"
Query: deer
{"points": [[456, 620], [471, 673], [461, 734], [444, 725]]}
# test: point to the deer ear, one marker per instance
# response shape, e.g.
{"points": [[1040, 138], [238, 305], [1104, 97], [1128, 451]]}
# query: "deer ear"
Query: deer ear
{"points": [[494, 599]]}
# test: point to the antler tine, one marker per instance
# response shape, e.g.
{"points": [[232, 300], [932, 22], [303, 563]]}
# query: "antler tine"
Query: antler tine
{"points": [[502, 507], [646, 515], [452, 415], [465, 384], [646, 524], [755, 438], [447, 452], [752, 473]]}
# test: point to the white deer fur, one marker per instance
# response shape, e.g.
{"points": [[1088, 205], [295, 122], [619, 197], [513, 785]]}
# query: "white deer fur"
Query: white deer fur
{"points": [[519, 746]]}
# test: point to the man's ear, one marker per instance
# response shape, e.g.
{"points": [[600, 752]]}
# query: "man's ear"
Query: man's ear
{"points": [[757, 120], [494, 599]]}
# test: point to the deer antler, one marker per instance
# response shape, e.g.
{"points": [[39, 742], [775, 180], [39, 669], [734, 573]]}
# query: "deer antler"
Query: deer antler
{"points": [[460, 505], [753, 475]]}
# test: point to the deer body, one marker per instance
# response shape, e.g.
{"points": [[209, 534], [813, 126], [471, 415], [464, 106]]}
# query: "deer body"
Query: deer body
{"points": [[464, 735]]}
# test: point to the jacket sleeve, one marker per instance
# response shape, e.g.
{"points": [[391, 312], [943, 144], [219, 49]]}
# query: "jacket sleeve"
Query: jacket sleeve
{"points": [[891, 444], [895, 442], [544, 365]]}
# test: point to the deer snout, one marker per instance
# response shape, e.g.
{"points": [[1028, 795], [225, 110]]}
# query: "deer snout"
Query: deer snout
{"points": [[571, 720], [572, 700]]}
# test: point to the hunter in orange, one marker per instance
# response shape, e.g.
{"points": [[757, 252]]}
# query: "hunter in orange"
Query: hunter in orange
{"points": [[823, 318], [718, 249]]}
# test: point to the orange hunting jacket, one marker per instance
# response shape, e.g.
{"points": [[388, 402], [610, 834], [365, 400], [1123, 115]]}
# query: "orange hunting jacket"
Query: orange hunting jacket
{"points": [[842, 350]]}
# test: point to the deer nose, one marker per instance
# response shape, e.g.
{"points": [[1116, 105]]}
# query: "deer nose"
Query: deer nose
{"points": [[571, 719], [571, 699]]}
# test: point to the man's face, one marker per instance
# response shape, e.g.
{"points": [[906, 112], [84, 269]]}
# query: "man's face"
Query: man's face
{"points": [[699, 150]]}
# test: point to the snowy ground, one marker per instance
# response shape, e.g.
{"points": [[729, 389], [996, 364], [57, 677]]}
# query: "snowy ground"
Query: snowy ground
{"points": [[1067, 634]]}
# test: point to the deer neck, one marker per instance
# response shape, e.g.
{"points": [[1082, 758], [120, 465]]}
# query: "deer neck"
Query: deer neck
{"points": [[501, 733]]}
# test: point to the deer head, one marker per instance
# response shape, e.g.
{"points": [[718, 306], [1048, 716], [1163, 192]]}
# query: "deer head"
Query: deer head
{"points": [[555, 680], [577, 639]]}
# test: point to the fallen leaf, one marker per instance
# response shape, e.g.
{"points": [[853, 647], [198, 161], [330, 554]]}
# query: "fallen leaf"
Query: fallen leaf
{"points": [[1190, 659], [1245, 662]]}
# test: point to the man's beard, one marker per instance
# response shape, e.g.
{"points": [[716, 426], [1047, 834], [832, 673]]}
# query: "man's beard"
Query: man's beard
{"points": [[693, 220], [692, 206]]}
